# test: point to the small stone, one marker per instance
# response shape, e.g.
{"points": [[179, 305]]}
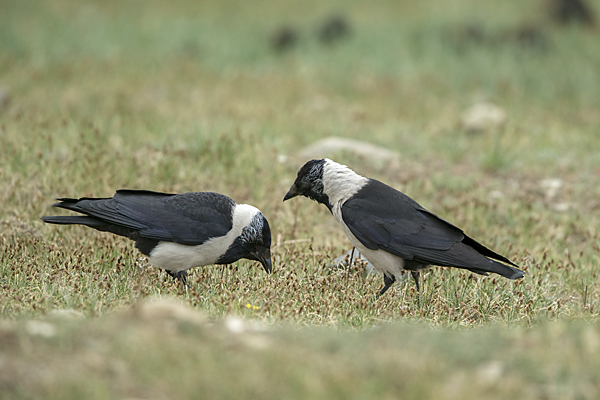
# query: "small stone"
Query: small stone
{"points": [[40, 328], [561, 207], [168, 309], [235, 325], [496, 194], [552, 186], [67, 314], [333, 144], [357, 259], [482, 117], [491, 371]]}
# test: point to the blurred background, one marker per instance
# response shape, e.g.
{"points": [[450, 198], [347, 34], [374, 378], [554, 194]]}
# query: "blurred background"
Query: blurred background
{"points": [[487, 113], [282, 75], [234, 97]]}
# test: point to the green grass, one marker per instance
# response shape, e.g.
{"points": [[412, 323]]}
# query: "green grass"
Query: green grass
{"points": [[188, 96], [194, 357]]}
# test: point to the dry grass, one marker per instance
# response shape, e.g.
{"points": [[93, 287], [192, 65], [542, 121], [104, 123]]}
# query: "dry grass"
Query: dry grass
{"points": [[192, 356], [190, 97]]}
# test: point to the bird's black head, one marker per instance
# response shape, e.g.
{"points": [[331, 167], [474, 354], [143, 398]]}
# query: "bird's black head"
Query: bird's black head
{"points": [[257, 241], [309, 183], [254, 243]]}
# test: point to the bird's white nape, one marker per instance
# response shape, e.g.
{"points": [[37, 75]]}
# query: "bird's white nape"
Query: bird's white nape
{"points": [[340, 182], [243, 214]]}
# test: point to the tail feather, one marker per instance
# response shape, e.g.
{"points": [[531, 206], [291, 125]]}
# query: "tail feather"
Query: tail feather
{"points": [[498, 264], [472, 258], [102, 216], [500, 269], [481, 249], [74, 220], [93, 207]]}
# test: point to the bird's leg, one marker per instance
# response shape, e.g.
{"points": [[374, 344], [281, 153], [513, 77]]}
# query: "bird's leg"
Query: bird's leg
{"points": [[180, 276], [388, 281], [416, 275], [171, 273], [349, 266]]}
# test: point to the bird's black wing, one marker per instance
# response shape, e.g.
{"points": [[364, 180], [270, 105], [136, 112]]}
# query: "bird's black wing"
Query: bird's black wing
{"points": [[187, 218], [383, 218]]}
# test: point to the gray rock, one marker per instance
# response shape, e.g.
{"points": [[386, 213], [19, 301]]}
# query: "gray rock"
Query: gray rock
{"points": [[66, 314], [358, 261], [482, 117], [333, 145]]}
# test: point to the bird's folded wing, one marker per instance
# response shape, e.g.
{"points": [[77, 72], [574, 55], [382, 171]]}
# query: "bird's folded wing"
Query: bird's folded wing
{"points": [[403, 228], [189, 218], [400, 227]]}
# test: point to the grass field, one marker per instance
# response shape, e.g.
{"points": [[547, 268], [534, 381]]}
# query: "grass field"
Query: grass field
{"points": [[191, 96]]}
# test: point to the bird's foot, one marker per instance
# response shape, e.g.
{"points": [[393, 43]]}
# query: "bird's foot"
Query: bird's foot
{"points": [[182, 277], [388, 282], [416, 277]]}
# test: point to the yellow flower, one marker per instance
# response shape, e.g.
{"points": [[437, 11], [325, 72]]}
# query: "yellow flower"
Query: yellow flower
{"points": [[251, 307]]}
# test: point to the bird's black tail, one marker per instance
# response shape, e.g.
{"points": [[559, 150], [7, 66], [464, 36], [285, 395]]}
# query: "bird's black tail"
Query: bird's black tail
{"points": [[92, 222], [79, 205], [498, 268], [481, 249], [71, 204], [474, 257], [498, 264], [102, 214], [87, 220], [74, 220]]}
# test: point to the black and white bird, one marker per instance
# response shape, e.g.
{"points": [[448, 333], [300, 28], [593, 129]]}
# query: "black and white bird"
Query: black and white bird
{"points": [[177, 231], [392, 230]]}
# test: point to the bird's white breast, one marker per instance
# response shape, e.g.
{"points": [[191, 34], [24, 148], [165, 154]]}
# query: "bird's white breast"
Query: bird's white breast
{"points": [[383, 262], [178, 257], [340, 183]]}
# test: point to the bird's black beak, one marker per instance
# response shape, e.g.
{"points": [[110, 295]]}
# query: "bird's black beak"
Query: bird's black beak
{"points": [[264, 257], [293, 192]]}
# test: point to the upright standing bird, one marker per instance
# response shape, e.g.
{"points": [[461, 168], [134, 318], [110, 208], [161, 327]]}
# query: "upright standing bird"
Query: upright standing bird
{"points": [[390, 229], [177, 231]]}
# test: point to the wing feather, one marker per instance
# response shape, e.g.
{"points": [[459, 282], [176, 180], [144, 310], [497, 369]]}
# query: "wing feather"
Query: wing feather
{"points": [[187, 218], [399, 225]]}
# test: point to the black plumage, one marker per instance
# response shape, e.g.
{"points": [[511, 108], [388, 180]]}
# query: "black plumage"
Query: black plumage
{"points": [[399, 225], [188, 219], [378, 218]]}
